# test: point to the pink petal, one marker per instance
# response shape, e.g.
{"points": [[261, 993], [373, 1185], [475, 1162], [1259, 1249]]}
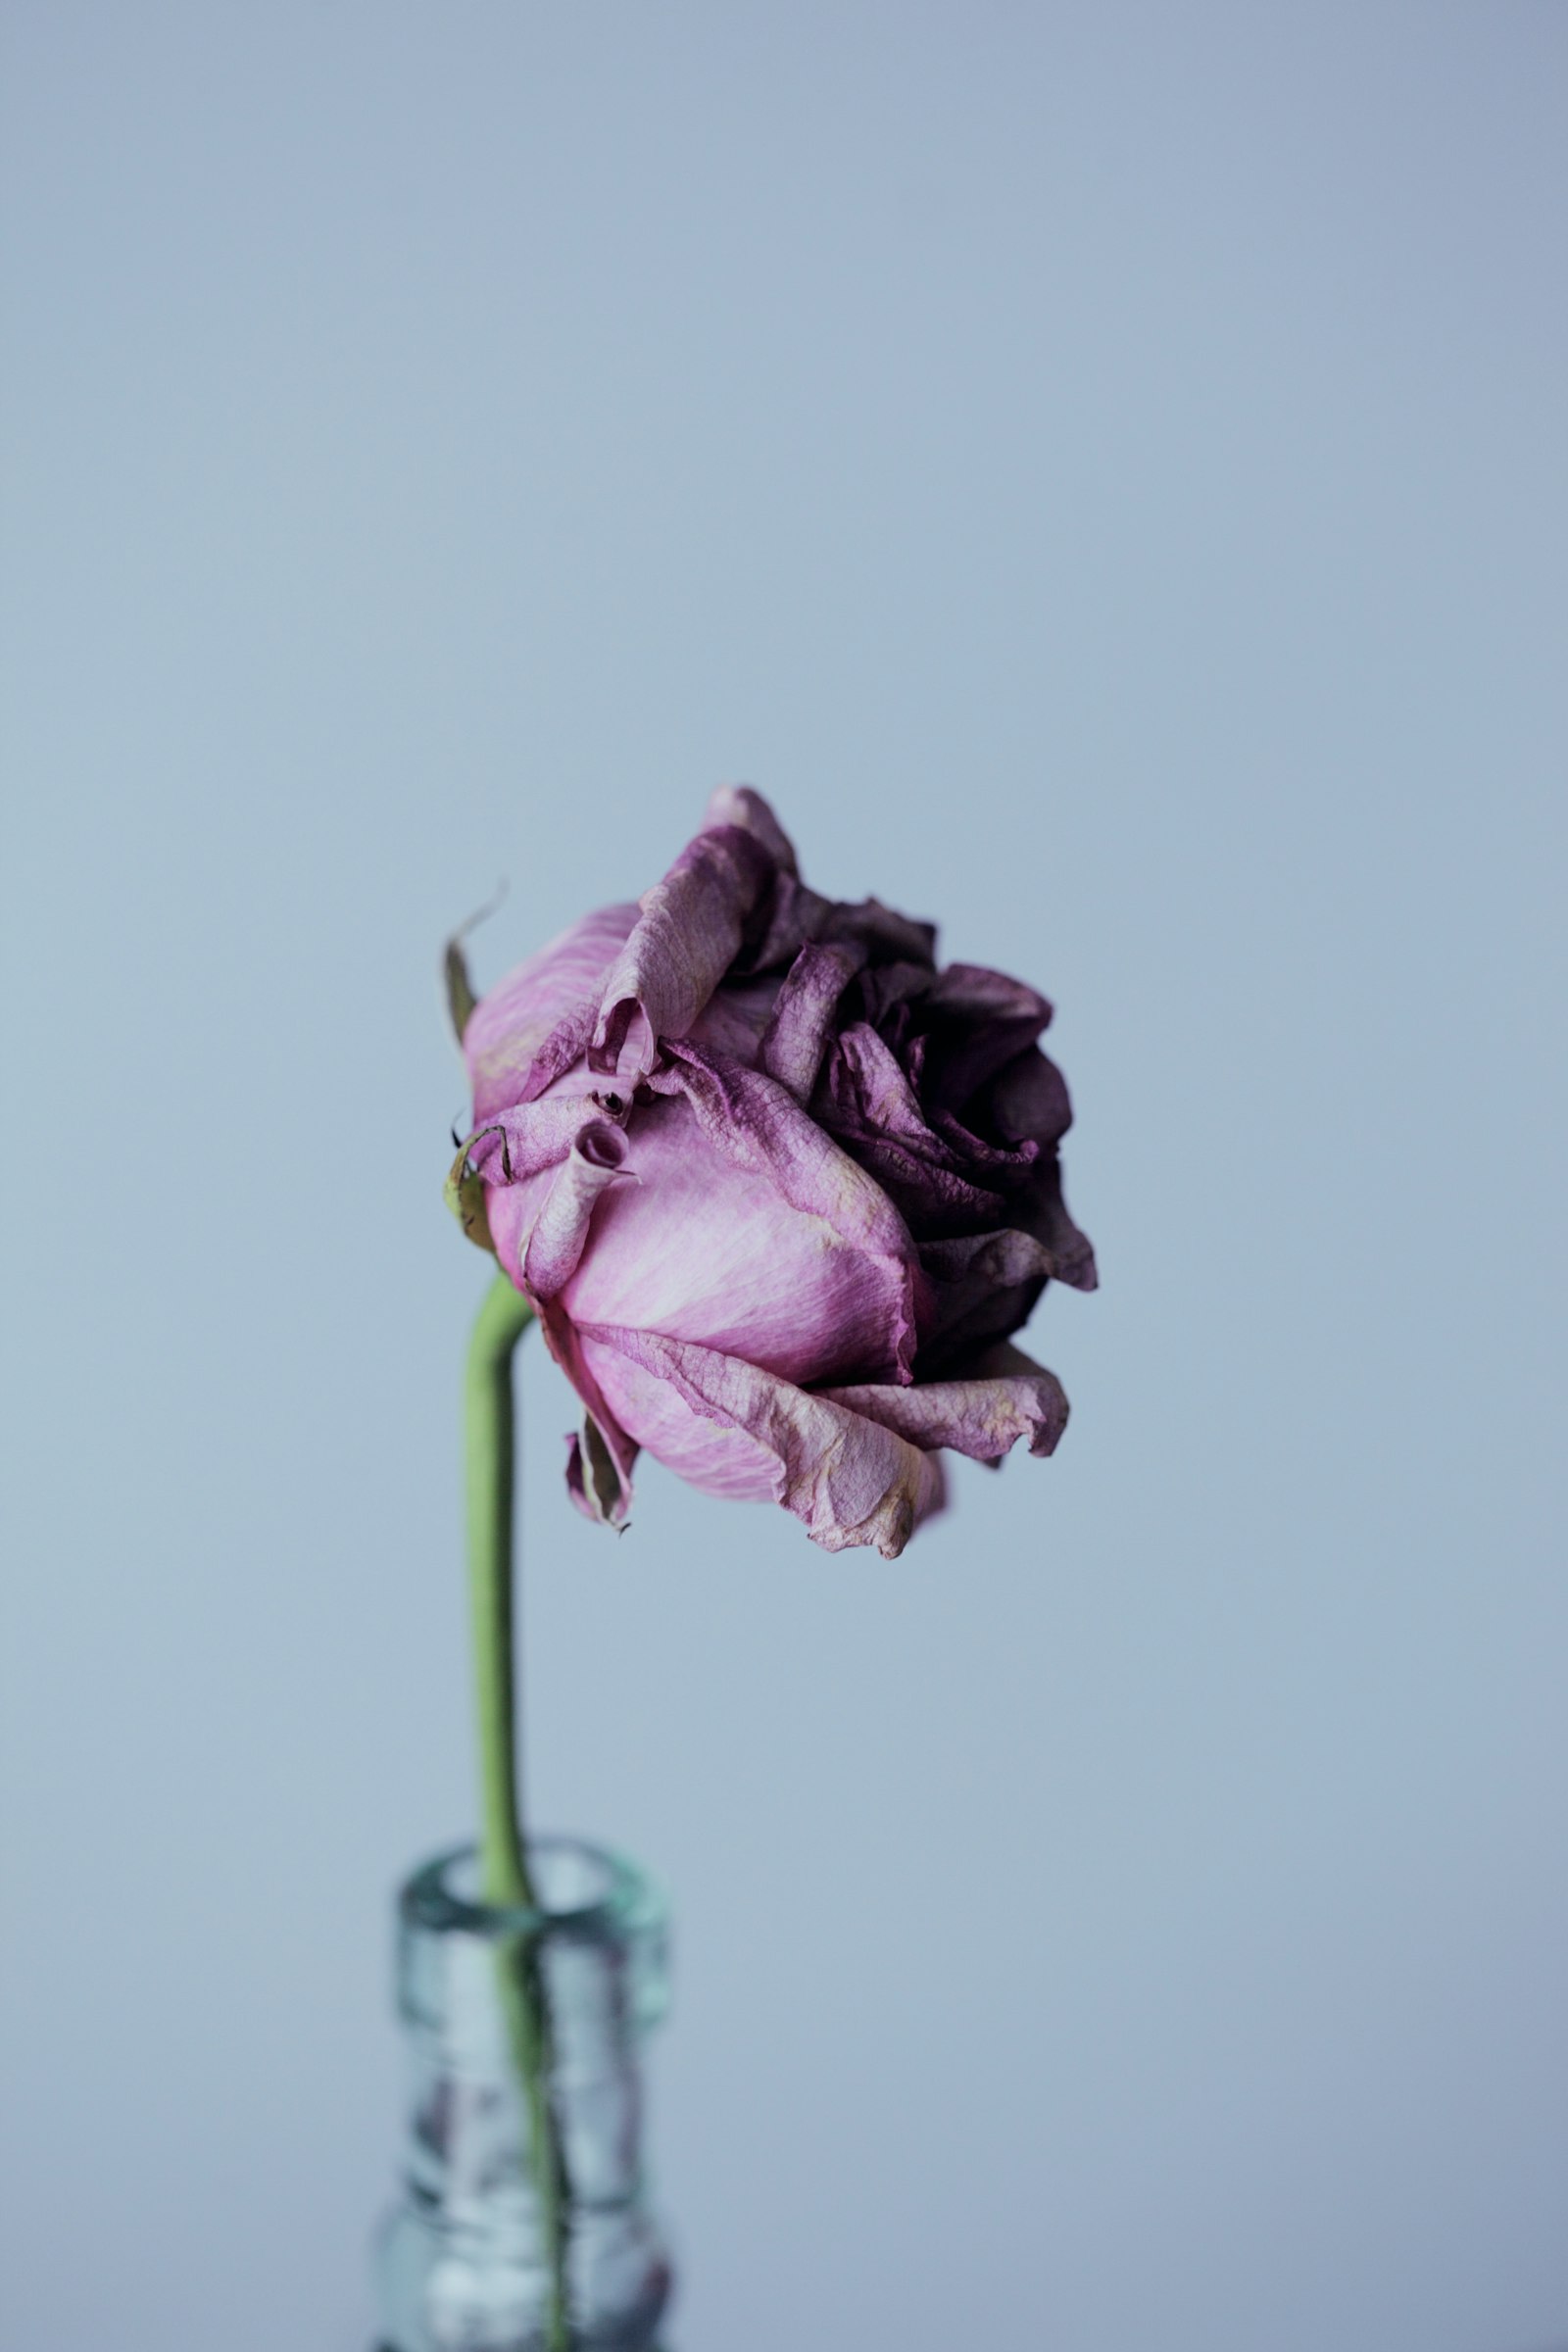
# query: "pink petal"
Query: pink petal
{"points": [[600, 1485], [515, 1023], [756, 1123], [531, 1136], [851, 1480], [559, 1232], [735, 1019], [686, 938], [709, 1454], [706, 1247], [754, 1126], [1008, 1397]]}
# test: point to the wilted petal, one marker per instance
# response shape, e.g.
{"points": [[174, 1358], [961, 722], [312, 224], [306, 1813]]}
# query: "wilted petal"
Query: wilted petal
{"points": [[559, 1232], [932, 1198], [887, 989], [564, 1048], [977, 1021], [738, 804], [872, 1108], [687, 935], [871, 1089], [1029, 1097], [594, 1478], [984, 1285], [976, 992], [601, 1455], [735, 1019], [542, 1004], [707, 1247], [518, 1141], [1006, 1398], [877, 1098], [712, 1455], [802, 1024], [851, 1480], [1042, 1211], [797, 917], [1001, 1163], [761, 1130], [888, 936]]}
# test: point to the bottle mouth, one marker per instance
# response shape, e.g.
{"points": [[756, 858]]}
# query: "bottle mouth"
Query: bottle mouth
{"points": [[585, 1892]]}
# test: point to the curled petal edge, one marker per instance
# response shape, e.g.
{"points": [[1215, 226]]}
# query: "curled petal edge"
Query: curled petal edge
{"points": [[600, 1455], [1006, 1396], [687, 934], [850, 1479], [558, 1234], [741, 806]]}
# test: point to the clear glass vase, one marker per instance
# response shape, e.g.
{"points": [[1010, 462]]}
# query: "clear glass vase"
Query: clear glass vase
{"points": [[460, 2261]]}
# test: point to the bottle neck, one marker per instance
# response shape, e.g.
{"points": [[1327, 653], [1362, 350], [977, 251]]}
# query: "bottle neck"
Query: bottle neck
{"points": [[471, 2224]]}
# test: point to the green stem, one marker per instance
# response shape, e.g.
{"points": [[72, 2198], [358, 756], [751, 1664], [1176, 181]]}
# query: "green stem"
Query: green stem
{"points": [[489, 1427], [505, 1879]]}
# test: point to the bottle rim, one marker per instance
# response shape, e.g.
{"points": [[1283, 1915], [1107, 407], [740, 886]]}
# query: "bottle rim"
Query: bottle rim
{"points": [[624, 1901]]}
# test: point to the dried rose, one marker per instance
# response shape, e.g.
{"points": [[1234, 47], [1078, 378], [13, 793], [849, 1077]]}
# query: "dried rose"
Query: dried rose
{"points": [[778, 1187]]}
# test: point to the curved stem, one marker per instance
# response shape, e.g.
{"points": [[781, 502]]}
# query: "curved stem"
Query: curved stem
{"points": [[506, 1880], [489, 1424]]}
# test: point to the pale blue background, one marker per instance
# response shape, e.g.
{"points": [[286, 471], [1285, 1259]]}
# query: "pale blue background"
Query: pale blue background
{"points": [[1103, 473]]}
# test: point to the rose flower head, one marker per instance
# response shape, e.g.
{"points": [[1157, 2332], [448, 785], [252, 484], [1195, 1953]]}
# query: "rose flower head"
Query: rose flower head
{"points": [[778, 1187]]}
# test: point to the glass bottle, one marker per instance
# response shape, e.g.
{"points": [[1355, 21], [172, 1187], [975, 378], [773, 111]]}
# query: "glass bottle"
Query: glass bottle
{"points": [[460, 2260]]}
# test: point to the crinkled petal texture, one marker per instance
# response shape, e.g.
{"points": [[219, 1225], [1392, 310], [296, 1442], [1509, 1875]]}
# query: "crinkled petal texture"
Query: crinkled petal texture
{"points": [[735, 1429], [792, 1259], [780, 1189], [518, 1039], [688, 933]]}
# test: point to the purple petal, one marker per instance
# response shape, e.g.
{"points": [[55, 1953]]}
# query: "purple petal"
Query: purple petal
{"points": [[738, 804], [1029, 1097], [871, 1106], [985, 1285], [1007, 1398], [802, 1024], [1003, 1164], [601, 1456], [735, 1019], [1042, 1212], [687, 934], [978, 1021], [520, 1141], [761, 1131], [709, 1454], [932, 1198], [519, 1023], [559, 1232], [887, 987], [704, 1248], [872, 1090], [560, 1050], [975, 993], [797, 917], [886, 935], [851, 1479]]}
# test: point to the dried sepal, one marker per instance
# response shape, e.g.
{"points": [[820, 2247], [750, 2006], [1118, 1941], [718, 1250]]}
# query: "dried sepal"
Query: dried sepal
{"points": [[464, 1195]]}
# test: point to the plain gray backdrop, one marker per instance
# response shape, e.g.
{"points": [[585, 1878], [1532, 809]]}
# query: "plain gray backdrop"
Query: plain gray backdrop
{"points": [[1103, 473]]}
